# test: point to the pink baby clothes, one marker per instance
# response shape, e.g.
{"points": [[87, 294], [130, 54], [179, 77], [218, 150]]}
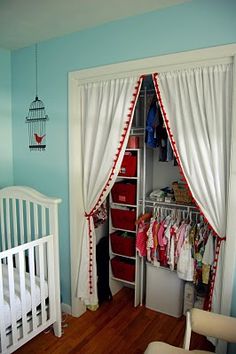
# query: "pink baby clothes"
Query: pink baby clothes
{"points": [[141, 238]]}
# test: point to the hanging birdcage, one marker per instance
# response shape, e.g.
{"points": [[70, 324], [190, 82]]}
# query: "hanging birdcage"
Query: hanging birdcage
{"points": [[36, 119]]}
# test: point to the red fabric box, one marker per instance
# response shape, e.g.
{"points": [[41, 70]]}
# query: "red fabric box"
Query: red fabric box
{"points": [[123, 244], [124, 193], [129, 165], [123, 268], [123, 219], [133, 142]]}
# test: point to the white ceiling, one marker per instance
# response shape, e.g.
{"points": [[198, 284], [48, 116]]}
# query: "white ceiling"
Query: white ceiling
{"points": [[24, 22]]}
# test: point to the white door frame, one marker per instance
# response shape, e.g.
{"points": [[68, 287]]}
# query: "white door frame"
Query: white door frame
{"points": [[220, 54]]}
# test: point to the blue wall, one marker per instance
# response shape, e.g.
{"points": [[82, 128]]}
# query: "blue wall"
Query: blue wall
{"points": [[194, 25], [6, 175]]}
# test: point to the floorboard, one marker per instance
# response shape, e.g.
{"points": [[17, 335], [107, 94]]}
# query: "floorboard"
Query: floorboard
{"points": [[116, 327]]}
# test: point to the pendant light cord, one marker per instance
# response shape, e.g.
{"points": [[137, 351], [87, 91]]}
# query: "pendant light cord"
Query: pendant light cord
{"points": [[36, 70]]}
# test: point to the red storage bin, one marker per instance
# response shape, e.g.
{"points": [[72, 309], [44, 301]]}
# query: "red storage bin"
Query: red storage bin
{"points": [[133, 142], [123, 268], [129, 165], [123, 219], [124, 193], [123, 244]]}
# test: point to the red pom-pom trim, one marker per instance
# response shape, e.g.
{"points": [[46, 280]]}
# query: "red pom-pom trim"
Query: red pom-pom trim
{"points": [[171, 137], [88, 216]]}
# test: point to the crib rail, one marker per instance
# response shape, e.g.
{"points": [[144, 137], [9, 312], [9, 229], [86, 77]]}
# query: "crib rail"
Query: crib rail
{"points": [[21, 221], [27, 217], [33, 264]]}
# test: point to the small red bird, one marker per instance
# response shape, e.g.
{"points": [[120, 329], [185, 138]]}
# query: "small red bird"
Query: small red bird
{"points": [[39, 138]]}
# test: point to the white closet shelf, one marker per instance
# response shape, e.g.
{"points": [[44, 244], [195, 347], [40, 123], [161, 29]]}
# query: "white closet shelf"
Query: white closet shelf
{"points": [[137, 131], [116, 228], [123, 177], [124, 205], [122, 255], [134, 149], [124, 281]]}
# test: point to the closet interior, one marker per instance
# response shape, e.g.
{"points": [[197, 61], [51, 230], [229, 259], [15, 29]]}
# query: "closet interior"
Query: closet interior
{"points": [[158, 243]]}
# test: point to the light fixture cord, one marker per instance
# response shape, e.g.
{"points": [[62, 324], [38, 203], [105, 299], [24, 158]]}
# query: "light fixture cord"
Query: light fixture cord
{"points": [[36, 69]]}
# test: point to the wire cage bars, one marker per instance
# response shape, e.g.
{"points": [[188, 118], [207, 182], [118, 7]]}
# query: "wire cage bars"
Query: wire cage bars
{"points": [[36, 120], [37, 117]]}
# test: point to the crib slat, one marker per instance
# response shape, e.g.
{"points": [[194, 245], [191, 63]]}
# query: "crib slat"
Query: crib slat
{"points": [[43, 212], [36, 222], [22, 237], [28, 221], [14, 222], [42, 282], [32, 285], [43, 230], [51, 279], [3, 227], [36, 235], [8, 224], [2, 322], [23, 290], [12, 298]]}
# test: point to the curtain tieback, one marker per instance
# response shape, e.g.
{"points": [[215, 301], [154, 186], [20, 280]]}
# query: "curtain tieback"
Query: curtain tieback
{"points": [[88, 215], [219, 239]]}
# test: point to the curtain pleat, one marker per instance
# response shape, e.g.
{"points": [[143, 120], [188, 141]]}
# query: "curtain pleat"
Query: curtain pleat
{"points": [[197, 108], [105, 115]]}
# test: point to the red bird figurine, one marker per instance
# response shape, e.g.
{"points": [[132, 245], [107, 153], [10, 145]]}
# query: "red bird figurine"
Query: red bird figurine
{"points": [[39, 138]]}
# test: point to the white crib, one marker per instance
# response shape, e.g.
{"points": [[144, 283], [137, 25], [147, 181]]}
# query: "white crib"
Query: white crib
{"points": [[29, 266]]}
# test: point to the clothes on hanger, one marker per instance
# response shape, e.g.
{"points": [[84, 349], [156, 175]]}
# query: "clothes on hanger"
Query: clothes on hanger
{"points": [[100, 216], [207, 259], [141, 237], [156, 134], [152, 122], [178, 243]]}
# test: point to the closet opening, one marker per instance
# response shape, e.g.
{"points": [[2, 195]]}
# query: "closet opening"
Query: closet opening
{"points": [[157, 238], [192, 59]]}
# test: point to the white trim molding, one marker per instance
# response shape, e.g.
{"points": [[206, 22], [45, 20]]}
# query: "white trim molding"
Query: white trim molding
{"points": [[201, 57]]}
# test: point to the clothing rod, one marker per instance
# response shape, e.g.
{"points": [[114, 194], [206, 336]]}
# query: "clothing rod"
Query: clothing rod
{"points": [[153, 203]]}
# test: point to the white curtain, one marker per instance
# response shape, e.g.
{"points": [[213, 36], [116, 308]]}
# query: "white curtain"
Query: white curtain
{"points": [[197, 108], [105, 116]]}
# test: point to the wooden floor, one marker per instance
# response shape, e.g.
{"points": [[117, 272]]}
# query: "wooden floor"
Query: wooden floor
{"points": [[116, 327]]}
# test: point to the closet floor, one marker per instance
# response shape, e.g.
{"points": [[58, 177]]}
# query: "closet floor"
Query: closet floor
{"points": [[116, 327]]}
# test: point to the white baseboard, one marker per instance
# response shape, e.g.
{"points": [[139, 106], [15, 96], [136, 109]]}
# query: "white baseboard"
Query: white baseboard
{"points": [[66, 308]]}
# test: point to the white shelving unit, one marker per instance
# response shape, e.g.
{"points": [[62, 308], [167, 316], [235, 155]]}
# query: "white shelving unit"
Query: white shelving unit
{"points": [[116, 283], [146, 179]]}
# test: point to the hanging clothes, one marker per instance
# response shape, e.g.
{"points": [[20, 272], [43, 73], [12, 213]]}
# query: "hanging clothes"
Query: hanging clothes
{"points": [[156, 134], [152, 122], [180, 244], [141, 238], [150, 242], [208, 259], [185, 265], [100, 216]]}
